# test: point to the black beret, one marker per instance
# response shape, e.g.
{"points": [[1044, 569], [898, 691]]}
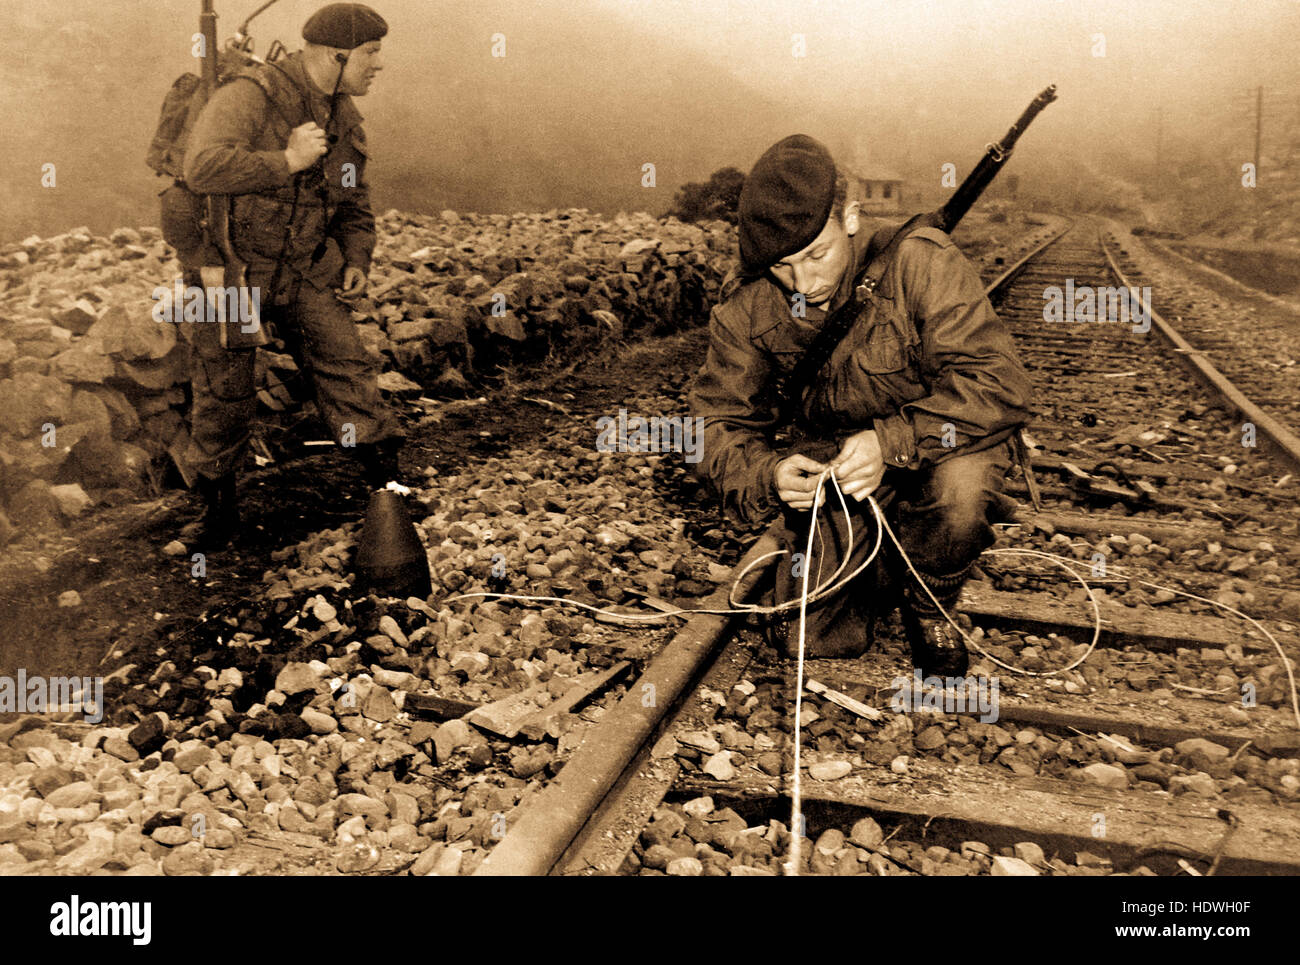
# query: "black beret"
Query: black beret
{"points": [[344, 25], [785, 201]]}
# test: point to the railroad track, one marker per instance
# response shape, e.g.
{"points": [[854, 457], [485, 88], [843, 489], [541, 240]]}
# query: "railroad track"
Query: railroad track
{"points": [[1172, 749]]}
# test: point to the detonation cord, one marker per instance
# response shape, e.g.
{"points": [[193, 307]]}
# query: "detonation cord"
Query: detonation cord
{"points": [[835, 582], [796, 815]]}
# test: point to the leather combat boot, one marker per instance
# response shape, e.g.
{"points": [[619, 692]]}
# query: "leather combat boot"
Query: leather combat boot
{"points": [[219, 525], [937, 648]]}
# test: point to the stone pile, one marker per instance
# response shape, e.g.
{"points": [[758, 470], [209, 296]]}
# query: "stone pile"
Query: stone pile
{"points": [[93, 390], [344, 730], [699, 839], [456, 292]]}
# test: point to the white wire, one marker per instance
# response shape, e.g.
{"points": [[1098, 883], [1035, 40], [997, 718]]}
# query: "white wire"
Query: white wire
{"points": [[835, 583], [1066, 564], [796, 822], [1286, 661]]}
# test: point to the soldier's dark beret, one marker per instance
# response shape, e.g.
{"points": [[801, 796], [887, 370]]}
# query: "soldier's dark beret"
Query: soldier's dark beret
{"points": [[785, 201], [344, 25]]}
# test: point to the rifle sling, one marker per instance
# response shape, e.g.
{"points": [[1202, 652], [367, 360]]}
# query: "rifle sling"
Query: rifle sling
{"points": [[839, 322]]}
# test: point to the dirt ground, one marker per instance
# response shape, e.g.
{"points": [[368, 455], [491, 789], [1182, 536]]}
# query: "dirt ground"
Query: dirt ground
{"points": [[1271, 268], [137, 603]]}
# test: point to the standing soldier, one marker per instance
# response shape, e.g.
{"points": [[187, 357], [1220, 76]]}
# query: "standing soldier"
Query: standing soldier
{"points": [[917, 405], [285, 140]]}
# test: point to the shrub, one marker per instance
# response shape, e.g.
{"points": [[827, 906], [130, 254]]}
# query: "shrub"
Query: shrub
{"points": [[719, 197]]}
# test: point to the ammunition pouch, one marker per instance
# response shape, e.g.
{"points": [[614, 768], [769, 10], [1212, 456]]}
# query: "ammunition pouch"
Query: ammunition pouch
{"points": [[182, 219]]}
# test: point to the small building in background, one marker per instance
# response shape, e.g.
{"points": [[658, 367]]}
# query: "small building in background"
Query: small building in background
{"points": [[882, 192]]}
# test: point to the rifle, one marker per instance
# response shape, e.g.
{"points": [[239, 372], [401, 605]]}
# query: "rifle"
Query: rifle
{"points": [[790, 390], [235, 333]]}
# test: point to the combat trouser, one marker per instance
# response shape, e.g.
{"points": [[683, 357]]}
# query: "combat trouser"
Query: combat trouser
{"points": [[322, 338]]}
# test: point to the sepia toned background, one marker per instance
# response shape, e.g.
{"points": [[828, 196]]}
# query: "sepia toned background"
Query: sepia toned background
{"points": [[590, 90]]}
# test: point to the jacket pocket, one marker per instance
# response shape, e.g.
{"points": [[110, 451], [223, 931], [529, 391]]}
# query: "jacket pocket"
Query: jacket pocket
{"points": [[883, 353], [260, 223], [348, 166], [358, 141]]}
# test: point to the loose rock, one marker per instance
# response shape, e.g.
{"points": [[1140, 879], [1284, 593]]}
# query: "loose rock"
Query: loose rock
{"points": [[1004, 867]]}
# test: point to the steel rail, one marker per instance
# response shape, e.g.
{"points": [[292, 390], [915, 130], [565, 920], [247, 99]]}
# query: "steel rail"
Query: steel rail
{"points": [[559, 813]]}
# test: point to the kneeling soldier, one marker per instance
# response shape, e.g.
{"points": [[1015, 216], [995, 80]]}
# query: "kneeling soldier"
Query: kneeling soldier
{"points": [[917, 406], [286, 141]]}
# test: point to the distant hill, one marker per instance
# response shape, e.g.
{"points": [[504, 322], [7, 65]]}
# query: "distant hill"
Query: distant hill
{"points": [[567, 118]]}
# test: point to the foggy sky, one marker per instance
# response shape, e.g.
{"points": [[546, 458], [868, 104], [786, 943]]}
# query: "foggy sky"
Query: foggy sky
{"points": [[590, 90]]}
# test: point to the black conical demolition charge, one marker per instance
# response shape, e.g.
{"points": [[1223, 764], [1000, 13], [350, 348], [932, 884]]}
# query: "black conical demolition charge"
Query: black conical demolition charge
{"points": [[390, 557]]}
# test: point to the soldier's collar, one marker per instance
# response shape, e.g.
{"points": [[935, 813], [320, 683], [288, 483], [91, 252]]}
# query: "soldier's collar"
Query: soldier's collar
{"points": [[347, 115]]}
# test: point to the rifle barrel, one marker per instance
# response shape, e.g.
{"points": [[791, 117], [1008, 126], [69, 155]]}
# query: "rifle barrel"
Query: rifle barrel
{"points": [[995, 156], [1024, 120], [208, 28]]}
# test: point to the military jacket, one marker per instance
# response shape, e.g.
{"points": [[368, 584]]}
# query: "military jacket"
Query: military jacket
{"points": [[928, 365], [237, 148]]}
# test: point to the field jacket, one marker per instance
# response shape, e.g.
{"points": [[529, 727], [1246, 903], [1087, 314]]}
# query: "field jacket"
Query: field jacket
{"points": [[928, 365], [237, 148]]}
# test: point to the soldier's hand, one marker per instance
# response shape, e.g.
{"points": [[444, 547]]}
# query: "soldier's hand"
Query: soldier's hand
{"points": [[354, 282], [306, 144], [796, 480], [860, 466]]}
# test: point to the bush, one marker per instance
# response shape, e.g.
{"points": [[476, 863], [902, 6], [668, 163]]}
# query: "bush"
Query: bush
{"points": [[719, 197]]}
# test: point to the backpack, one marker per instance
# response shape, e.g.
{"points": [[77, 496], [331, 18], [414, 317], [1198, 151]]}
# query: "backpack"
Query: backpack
{"points": [[179, 110], [183, 214]]}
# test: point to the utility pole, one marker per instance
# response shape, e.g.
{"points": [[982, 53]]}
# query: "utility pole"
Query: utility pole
{"points": [[1259, 115], [1160, 127], [1256, 197]]}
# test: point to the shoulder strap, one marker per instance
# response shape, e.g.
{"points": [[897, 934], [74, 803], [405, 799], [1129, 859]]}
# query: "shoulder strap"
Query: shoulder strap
{"points": [[332, 110], [255, 75]]}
